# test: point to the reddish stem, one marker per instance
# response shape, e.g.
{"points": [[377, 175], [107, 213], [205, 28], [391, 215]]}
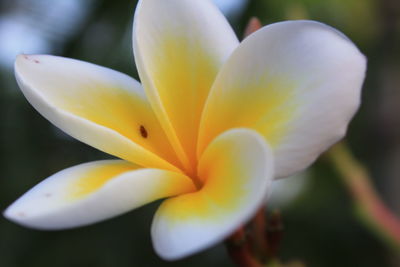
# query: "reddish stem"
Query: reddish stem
{"points": [[258, 235], [253, 25], [239, 250], [274, 233]]}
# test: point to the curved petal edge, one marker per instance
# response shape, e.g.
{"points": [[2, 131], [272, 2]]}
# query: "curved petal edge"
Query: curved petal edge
{"points": [[237, 169], [92, 192]]}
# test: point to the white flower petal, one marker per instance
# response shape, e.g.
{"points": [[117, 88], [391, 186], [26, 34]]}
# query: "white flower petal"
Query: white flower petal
{"points": [[101, 107], [297, 83], [237, 170], [93, 192], [179, 48]]}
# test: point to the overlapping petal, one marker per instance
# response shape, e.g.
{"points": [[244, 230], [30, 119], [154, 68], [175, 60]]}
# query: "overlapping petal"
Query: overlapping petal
{"points": [[297, 83], [179, 48], [92, 192], [236, 170], [99, 106]]}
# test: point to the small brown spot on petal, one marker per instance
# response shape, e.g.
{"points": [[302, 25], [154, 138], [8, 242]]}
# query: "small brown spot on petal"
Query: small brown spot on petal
{"points": [[143, 131], [21, 214], [48, 194], [36, 61]]}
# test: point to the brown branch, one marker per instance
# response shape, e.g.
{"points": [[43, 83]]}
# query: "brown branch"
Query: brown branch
{"points": [[239, 250], [253, 25], [258, 235]]}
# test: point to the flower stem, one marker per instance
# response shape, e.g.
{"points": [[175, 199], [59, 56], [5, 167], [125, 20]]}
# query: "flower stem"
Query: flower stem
{"points": [[371, 209], [257, 243], [239, 250], [258, 235], [253, 25]]}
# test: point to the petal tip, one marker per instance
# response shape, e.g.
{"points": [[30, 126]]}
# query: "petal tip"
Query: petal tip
{"points": [[14, 214]]}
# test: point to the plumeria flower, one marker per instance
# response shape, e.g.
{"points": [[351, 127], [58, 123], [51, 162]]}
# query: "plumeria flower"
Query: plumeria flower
{"points": [[214, 123]]}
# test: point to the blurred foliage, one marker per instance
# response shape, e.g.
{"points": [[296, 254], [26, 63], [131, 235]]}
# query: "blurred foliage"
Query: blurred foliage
{"points": [[320, 226]]}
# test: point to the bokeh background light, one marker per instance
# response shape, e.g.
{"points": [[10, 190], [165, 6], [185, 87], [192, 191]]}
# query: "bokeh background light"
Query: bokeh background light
{"points": [[321, 228]]}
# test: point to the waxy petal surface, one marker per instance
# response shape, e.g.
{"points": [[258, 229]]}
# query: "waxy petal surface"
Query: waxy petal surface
{"points": [[93, 192], [179, 48], [236, 169], [101, 107], [297, 83]]}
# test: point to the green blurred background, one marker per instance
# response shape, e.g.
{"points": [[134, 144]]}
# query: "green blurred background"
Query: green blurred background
{"points": [[321, 228]]}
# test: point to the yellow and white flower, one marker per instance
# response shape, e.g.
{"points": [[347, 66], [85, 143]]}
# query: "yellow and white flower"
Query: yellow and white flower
{"points": [[212, 126]]}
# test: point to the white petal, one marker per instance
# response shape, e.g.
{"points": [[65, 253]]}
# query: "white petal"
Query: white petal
{"points": [[179, 48], [237, 170], [297, 83], [93, 192], [101, 107]]}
